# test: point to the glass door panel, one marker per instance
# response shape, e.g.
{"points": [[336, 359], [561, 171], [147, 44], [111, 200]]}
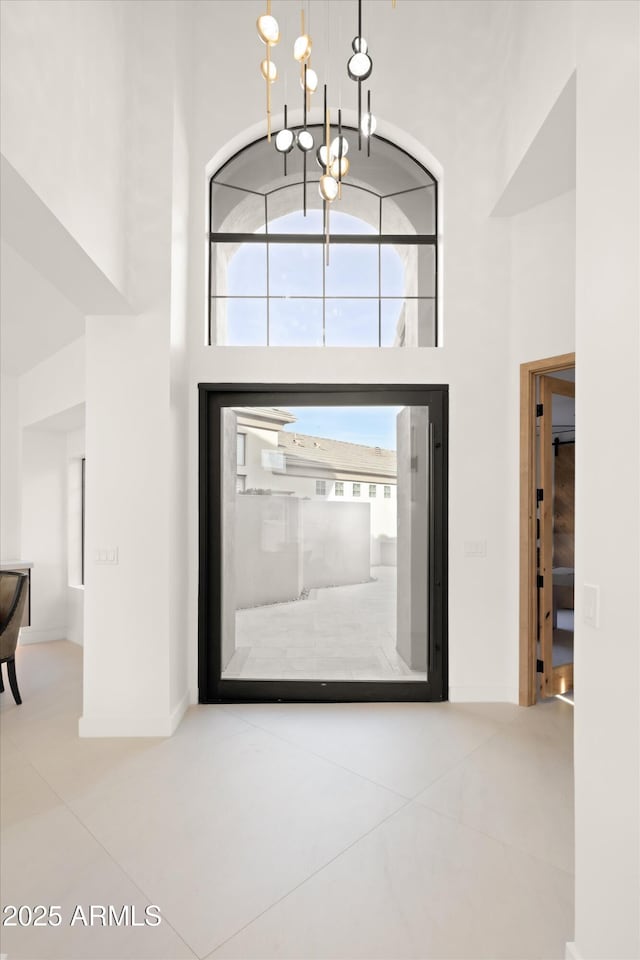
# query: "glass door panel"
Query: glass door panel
{"points": [[325, 542]]}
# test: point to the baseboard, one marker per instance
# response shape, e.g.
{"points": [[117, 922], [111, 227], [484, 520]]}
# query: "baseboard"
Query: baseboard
{"points": [[473, 694], [125, 726], [571, 951], [35, 635], [133, 726], [179, 711]]}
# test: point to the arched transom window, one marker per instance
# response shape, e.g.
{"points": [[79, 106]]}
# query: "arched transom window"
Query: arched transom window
{"points": [[270, 283]]}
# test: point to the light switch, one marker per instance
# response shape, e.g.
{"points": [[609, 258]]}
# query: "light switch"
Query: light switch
{"points": [[591, 605], [107, 555], [475, 548]]}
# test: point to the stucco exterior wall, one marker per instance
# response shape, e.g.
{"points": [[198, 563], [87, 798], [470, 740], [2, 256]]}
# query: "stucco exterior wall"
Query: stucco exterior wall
{"points": [[283, 545]]}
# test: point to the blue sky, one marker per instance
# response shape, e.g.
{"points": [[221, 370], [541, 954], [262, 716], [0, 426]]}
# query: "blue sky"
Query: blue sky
{"points": [[296, 270], [372, 426]]}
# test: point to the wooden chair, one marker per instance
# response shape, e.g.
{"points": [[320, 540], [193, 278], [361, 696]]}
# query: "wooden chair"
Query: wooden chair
{"points": [[13, 596]]}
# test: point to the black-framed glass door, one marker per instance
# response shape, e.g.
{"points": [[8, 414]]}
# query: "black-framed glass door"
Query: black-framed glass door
{"points": [[323, 542]]}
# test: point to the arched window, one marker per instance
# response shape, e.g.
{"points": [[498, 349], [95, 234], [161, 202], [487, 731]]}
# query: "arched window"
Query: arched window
{"points": [[270, 283]]}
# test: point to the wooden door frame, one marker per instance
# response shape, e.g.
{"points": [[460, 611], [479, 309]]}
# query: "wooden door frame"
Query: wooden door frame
{"points": [[528, 484]]}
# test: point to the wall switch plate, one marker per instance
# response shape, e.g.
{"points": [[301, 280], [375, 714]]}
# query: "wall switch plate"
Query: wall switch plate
{"points": [[107, 555], [591, 605], [475, 548]]}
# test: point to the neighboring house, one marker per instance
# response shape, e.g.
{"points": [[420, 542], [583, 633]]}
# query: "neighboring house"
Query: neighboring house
{"points": [[276, 459]]}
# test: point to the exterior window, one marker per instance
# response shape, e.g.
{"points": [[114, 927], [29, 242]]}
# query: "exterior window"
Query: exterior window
{"points": [[339, 488], [242, 450], [241, 483], [321, 488], [387, 492], [372, 489], [269, 281], [356, 489]]}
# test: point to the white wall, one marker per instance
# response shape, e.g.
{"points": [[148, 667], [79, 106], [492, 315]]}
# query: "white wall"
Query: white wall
{"points": [[455, 46], [108, 156], [179, 322], [135, 609], [607, 656], [75, 451], [55, 385], [541, 324], [126, 604], [63, 115], [10, 467], [47, 405], [542, 282], [541, 57], [548, 42], [43, 532]]}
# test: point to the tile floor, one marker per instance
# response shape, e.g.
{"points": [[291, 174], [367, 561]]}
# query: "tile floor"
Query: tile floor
{"points": [[336, 633], [289, 830]]}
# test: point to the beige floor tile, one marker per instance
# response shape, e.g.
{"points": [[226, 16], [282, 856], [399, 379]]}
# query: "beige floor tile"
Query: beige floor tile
{"points": [[402, 746], [51, 859], [518, 788], [419, 886], [271, 825], [23, 793], [551, 721], [73, 766], [218, 831]]}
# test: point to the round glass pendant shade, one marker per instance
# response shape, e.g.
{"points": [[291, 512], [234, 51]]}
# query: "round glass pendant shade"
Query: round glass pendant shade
{"points": [[302, 48], [285, 141], [312, 80], [359, 66], [339, 147], [269, 70], [359, 45], [268, 29], [305, 140], [321, 155], [368, 124], [328, 187], [340, 168]]}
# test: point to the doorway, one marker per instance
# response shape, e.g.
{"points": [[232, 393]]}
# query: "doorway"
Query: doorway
{"points": [[323, 546], [547, 528]]}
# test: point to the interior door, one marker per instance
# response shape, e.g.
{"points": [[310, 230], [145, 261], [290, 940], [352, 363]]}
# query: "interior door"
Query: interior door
{"points": [[556, 499]]}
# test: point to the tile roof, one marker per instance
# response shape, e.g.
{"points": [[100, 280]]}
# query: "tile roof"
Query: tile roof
{"points": [[338, 455]]}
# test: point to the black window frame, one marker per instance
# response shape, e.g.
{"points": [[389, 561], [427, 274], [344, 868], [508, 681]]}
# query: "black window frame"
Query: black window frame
{"points": [[213, 688], [378, 239]]}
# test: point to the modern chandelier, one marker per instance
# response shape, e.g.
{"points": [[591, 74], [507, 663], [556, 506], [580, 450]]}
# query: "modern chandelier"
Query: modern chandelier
{"points": [[331, 155]]}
